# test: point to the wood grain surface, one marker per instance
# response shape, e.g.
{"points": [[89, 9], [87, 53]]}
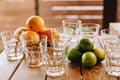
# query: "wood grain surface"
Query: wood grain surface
{"points": [[7, 67], [18, 70]]}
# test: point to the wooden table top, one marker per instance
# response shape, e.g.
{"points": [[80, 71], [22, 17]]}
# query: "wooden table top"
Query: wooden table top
{"points": [[18, 70]]}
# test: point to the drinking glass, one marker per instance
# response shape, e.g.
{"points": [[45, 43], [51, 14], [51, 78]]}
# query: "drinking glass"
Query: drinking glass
{"points": [[90, 30], [112, 49], [33, 52], [107, 35], [73, 24], [56, 56], [12, 46]]}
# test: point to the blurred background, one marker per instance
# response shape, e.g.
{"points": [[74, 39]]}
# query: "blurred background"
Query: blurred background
{"points": [[14, 13]]}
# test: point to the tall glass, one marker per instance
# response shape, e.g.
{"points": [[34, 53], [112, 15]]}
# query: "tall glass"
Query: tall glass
{"points": [[90, 30], [73, 24]]}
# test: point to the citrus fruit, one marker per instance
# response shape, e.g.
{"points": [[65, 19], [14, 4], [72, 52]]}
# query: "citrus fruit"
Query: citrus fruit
{"points": [[18, 32], [89, 59], [99, 54], [35, 23], [48, 32], [85, 44], [30, 35], [74, 55]]}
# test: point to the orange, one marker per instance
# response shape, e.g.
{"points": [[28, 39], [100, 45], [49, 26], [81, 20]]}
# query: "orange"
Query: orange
{"points": [[30, 35], [89, 59], [18, 32], [35, 23], [48, 33]]}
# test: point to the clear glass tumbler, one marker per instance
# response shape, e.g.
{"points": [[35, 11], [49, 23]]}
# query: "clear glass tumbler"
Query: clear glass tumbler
{"points": [[90, 30], [112, 49], [12, 46], [56, 56], [33, 52], [73, 24]]}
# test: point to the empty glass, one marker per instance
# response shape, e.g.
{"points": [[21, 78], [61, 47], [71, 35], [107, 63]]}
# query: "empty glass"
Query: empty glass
{"points": [[112, 49], [90, 30], [12, 46], [107, 35], [55, 55], [73, 24]]}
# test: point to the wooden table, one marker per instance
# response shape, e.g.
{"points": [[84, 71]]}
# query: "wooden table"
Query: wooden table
{"points": [[18, 70]]}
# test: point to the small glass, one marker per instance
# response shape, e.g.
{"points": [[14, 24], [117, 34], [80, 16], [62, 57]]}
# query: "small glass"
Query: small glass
{"points": [[90, 30], [12, 46], [33, 52], [73, 24], [112, 49], [55, 55]]}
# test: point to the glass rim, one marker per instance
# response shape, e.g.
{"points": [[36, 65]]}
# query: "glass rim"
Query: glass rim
{"points": [[90, 24], [6, 32], [41, 36]]}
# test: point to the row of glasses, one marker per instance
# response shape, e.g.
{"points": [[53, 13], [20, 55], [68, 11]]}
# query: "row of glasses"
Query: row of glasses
{"points": [[80, 30], [53, 56], [39, 53]]}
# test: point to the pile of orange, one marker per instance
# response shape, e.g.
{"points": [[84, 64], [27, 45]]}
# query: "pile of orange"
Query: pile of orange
{"points": [[34, 27]]}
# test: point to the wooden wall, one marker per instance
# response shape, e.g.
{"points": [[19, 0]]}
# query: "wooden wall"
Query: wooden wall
{"points": [[54, 11], [13, 14]]}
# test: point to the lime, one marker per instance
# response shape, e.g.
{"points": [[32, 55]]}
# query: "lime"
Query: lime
{"points": [[74, 55], [89, 59], [85, 44], [99, 54]]}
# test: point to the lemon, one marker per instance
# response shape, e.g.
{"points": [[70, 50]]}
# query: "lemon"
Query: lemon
{"points": [[89, 59], [99, 54], [85, 45], [74, 55]]}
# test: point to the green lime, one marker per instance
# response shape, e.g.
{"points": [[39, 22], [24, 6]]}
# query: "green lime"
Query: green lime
{"points": [[89, 59], [85, 44], [99, 54], [74, 55]]}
